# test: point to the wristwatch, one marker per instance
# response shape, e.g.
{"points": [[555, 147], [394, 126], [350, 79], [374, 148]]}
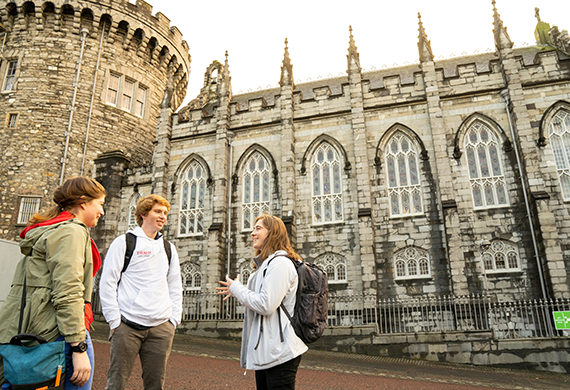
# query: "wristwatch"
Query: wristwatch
{"points": [[81, 347]]}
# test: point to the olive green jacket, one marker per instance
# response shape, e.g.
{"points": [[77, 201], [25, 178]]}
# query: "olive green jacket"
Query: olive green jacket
{"points": [[59, 266]]}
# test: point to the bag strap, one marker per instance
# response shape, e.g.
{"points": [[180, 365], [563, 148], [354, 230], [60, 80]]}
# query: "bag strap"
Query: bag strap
{"points": [[23, 304], [132, 243]]}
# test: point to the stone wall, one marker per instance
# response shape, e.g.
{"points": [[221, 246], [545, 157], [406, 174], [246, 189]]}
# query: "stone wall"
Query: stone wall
{"points": [[476, 347], [48, 39]]}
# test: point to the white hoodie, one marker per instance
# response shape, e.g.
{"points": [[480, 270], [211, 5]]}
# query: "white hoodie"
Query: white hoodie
{"points": [[149, 293]]}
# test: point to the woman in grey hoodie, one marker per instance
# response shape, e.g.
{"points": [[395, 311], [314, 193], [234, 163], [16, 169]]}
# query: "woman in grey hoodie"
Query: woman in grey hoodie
{"points": [[273, 352]]}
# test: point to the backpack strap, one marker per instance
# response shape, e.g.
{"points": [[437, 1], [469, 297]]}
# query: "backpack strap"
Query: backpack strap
{"points": [[132, 243], [278, 312]]}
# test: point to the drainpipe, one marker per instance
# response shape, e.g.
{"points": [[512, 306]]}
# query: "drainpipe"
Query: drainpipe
{"points": [[92, 99], [83, 33], [505, 95], [230, 137]]}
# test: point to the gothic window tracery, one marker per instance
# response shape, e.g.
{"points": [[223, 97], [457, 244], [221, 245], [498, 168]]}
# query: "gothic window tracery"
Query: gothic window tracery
{"points": [[559, 132], [131, 214], [404, 182], [484, 162], [327, 185], [256, 189], [412, 263], [334, 266], [192, 195], [191, 277], [501, 256], [245, 272]]}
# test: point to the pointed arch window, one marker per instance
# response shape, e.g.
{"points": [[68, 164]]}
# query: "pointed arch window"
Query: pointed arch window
{"points": [[327, 185], [132, 208], [501, 256], [192, 195], [245, 272], [191, 277], [484, 161], [256, 189], [404, 184], [334, 266], [559, 132], [412, 263]]}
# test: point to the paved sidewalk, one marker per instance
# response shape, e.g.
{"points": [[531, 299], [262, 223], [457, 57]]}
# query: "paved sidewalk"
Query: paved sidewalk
{"points": [[205, 363]]}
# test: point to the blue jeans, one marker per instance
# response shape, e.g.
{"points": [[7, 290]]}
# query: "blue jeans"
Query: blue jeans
{"points": [[90, 353]]}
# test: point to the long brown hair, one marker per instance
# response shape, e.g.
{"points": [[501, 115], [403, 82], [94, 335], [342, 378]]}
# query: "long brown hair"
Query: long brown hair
{"points": [[73, 192], [277, 238]]}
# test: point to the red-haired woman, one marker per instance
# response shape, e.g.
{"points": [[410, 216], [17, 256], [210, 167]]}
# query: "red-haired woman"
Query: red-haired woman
{"points": [[59, 263], [272, 352]]}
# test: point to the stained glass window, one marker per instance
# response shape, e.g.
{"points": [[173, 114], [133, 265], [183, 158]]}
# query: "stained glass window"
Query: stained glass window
{"points": [[191, 276], [559, 133], [335, 267], [404, 187], [132, 222], [191, 216], [256, 189], [412, 263], [484, 162], [502, 256], [327, 185]]}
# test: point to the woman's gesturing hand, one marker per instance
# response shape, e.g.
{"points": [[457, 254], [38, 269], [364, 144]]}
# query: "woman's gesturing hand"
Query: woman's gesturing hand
{"points": [[225, 289]]}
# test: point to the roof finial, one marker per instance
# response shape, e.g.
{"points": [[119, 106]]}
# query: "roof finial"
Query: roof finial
{"points": [[502, 39], [353, 55], [287, 68], [424, 45]]}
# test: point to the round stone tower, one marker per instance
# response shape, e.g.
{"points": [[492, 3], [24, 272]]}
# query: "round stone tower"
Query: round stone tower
{"points": [[79, 79]]}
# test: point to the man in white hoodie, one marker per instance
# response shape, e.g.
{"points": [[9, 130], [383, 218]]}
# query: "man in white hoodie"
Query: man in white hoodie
{"points": [[143, 303]]}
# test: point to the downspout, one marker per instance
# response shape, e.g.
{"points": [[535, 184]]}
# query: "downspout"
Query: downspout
{"points": [[84, 33], [505, 95], [228, 238], [92, 99]]}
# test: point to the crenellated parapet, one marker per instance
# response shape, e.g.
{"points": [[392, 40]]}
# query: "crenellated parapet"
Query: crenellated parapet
{"points": [[130, 26]]}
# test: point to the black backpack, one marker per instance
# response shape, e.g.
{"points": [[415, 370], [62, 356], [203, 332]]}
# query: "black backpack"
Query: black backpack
{"points": [[132, 243], [309, 317]]}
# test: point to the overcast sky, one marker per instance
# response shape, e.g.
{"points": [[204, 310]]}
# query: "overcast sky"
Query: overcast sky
{"points": [[386, 33]]}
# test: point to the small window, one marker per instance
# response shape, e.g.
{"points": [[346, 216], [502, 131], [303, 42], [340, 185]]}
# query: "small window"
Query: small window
{"points": [[28, 207], [412, 263], [334, 266], [128, 87], [10, 76], [245, 272], [139, 104], [501, 257], [191, 277], [12, 120], [113, 89]]}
